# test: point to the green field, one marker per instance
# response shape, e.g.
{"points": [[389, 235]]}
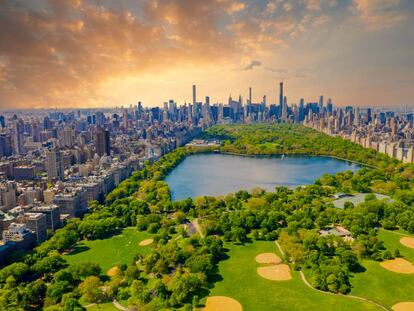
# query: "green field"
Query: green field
{"points": [[241, 282], [381, 285], [108, 306], [118, 249]]}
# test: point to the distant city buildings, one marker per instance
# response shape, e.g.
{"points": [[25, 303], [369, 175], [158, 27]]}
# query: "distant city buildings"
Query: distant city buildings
{"points": [[387, 132], [52, 163]]}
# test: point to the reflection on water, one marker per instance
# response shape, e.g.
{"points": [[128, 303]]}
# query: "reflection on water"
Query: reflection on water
{"points": [[215, 174]]}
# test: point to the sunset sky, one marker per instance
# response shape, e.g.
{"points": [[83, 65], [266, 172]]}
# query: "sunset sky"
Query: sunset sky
{"points": [[103, 53]]}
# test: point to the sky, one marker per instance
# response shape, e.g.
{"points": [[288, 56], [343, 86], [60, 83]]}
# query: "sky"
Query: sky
{"points": [[106, 53]]}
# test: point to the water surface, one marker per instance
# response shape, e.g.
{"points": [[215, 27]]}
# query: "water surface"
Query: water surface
{"points": [[217, 174]]}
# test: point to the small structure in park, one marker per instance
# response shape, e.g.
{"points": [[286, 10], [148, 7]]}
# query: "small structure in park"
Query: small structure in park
{"points": [[336, 230]]}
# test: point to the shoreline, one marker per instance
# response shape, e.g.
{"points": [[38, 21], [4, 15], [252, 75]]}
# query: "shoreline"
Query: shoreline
{"points": [[279, 155]]}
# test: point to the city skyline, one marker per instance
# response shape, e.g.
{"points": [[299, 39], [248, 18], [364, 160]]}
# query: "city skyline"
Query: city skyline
{"points": [[86, 54]]}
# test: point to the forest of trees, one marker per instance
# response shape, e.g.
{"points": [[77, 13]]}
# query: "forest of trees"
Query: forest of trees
{"points": [[180, 269]]}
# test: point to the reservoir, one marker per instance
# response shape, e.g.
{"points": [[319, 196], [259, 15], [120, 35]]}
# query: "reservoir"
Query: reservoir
{"points": [[219, 174]]}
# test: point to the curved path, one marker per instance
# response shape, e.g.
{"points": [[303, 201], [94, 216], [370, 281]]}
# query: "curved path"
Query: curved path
{"points": [[302, 275], [119, 306], [348, 296]]}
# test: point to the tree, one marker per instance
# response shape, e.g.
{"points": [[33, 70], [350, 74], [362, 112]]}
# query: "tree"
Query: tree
{"points": [[397, 253], [56, 290], [50, 264], [72, 304], [18, 270], [91, 290], [84, 269]]}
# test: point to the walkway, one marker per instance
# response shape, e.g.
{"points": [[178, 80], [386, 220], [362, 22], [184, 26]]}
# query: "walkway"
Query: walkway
{"points": [[329, 293], [119, 306]]}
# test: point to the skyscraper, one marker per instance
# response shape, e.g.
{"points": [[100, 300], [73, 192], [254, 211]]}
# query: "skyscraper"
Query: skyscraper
{"points": [[194, 95], [321, 103], [281, 94], [107, 139], [18, 136], [284, 109], [103, 146], [54, 164], [67, 137], [250, 95]]}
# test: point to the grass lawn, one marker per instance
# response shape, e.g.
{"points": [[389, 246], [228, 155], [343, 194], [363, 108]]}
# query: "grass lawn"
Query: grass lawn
{"points": [[108, 306], [391, 241], [381, 285], [241, 282], [118, 249]]}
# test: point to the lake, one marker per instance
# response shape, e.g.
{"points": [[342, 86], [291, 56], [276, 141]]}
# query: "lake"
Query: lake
{"points": [[218, 174]]}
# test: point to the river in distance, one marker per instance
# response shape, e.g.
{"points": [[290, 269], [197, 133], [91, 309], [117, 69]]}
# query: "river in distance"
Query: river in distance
{"points": [[219, 174]]}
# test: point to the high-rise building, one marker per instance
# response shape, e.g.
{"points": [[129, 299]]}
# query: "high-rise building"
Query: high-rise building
{"points": [[47, 124], [6, 148], [18, 136], [250, 95], [194, 95], [68, 137], [321, 104], [52, 213], [54, 164], [284, 109], [37, 223], [103, 142], [281, 94]]}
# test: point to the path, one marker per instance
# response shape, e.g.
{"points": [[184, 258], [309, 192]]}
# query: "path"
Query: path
{"points": [[347, 296], [119, 306], [89, 305], [329, 293], [280, 248], [197, 227]]}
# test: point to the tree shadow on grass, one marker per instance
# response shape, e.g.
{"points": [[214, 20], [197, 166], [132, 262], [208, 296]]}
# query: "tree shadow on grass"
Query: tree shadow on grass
{"points": [[79, 249], [248, 240], [359, 269]]}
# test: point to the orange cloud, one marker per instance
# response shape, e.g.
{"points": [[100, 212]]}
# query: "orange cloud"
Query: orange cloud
{"points": [[70, 53], [380, 14]]}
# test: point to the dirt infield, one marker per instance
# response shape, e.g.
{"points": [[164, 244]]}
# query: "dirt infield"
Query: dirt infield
{"points": [[113, 271], [398, 265], [268, 258], [406, 241], [403, 306], [146, 242], [279, 272], [222, 303]]}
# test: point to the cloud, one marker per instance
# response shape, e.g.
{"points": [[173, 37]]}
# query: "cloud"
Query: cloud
{"points": [[61, 53], [236, 7], [277, 70], [252, 64], [380, 14]]}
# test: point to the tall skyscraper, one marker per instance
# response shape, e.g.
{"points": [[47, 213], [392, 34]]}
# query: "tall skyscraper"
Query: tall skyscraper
{"points": [[67, 137], [54, 164], [194, 95], [103, 146], [250, 95], [18, 136], [284, 109], [107, 139], [320, 103], [281, 94], [329, 106]]}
